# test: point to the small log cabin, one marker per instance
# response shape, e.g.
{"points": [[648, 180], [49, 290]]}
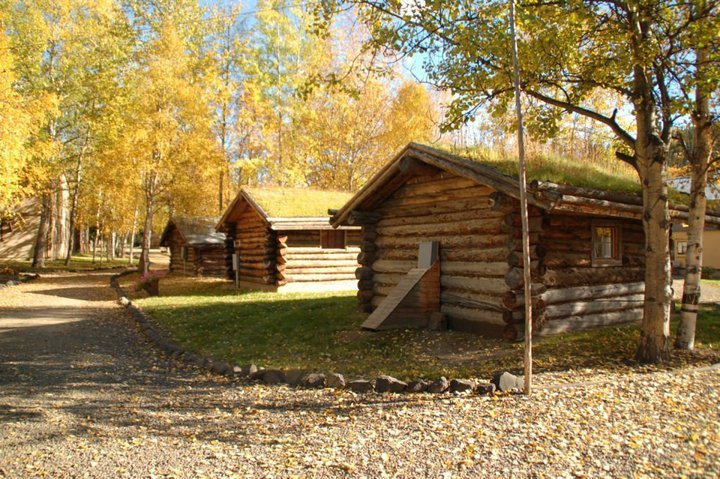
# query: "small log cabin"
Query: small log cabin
{"points": [[586, 247], [196, 249], [284, 241]]}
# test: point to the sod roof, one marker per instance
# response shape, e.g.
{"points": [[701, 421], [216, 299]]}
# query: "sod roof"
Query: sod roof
{"points": [[297, 202], [614, 176]]}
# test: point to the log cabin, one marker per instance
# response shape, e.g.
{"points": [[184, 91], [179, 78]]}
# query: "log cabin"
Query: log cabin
{"points": [[196, 249], [283, 241], [586, 246]]}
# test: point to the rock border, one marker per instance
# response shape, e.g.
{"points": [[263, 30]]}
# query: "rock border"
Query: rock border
{"points": [[20, 278], [299, 378]]}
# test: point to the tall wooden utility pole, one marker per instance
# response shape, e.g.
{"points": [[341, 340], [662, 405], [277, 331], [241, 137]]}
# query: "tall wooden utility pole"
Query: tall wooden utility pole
{"points": [[523, 207]]}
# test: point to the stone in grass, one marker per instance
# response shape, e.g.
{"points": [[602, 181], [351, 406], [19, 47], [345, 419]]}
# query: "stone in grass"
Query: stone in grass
{"points": [[508, 382], [388, 384], [314, 380], [417, 386], [439, 385], [461, 385], [272, 376], [360, 386], [335, 380], [246, 370], [485, 389], [222, 368], [294, 377]]}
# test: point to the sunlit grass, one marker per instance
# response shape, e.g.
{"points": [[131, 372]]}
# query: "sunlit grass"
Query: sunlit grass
{"points": [[78, 263], [321, 332]]}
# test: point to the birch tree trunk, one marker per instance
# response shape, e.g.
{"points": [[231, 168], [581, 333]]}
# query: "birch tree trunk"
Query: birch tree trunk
{"points": [[150, 185], [41, 238], [651, 154], [132, 236], [699, 158]]}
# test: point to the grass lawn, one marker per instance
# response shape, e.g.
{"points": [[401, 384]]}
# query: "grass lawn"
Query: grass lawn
{"points": [[78, 262], [322, 332]]}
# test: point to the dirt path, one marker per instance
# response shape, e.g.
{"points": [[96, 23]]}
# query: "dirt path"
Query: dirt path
{"points": [[81, 395]]}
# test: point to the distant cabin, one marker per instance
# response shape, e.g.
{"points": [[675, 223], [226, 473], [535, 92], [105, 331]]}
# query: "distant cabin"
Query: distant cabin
{"points": [[711, 235], [442, 234], [196, 249], [283, 240], [19, 229]]}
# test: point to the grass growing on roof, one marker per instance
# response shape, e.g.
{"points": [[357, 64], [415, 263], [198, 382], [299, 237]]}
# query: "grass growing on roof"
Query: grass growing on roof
{"points": [[321, 332], [613, 175], [291, 202]]}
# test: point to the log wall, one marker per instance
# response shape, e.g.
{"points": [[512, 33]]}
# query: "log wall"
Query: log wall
{"points": [[255, 243], [300, 260], [479, 231], [580, 295], [474, 244], [201, 260]]}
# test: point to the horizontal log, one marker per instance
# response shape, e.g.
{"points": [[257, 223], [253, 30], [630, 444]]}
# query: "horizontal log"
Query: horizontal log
{"points": [[473, 314], [446, 254], [437, 186], [480, 268], [481, 285], [468, 299], [567, 260], [600, 305], [466, 227], [363, 217], [554, 296], [431, 199], [332, 270], [365, 295], [300, 278], [366, 258], [331, 255], [364, 273], [569, 277], [438, 208], [514, 258], [514, 278], [447, 241], [293, 263], [387, 266], [590, 321], [304, 250], [365, 284], [437, 218]]}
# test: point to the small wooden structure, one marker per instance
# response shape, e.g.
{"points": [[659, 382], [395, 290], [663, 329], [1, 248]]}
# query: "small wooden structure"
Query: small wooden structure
{"points": [[19, 229], [283, 240], [587, 246], [196, 249]]}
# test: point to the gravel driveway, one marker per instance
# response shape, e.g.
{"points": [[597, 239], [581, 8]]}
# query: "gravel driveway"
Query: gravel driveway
{"points": [[82, 395]]}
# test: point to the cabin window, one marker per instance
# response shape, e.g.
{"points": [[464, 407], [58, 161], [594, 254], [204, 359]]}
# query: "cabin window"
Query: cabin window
{"points": [[606, 244], [332, 239], [681, 247]]}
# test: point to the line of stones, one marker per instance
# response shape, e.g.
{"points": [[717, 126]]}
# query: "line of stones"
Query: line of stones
{"points": [[21, 278], [304, 379]]}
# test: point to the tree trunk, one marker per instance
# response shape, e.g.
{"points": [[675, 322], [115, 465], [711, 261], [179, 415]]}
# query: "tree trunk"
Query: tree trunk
{"points": [[41, 238], [73, 216], [651, 154], [147, 236], [132, 236], [699, 159], [51, 249]]}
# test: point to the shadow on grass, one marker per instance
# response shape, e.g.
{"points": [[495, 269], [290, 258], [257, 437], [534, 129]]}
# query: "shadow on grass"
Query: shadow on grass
{"points": [[322, 333]]}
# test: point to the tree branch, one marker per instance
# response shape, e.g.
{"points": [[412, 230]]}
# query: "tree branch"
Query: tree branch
{"points": [[610, 121]]}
